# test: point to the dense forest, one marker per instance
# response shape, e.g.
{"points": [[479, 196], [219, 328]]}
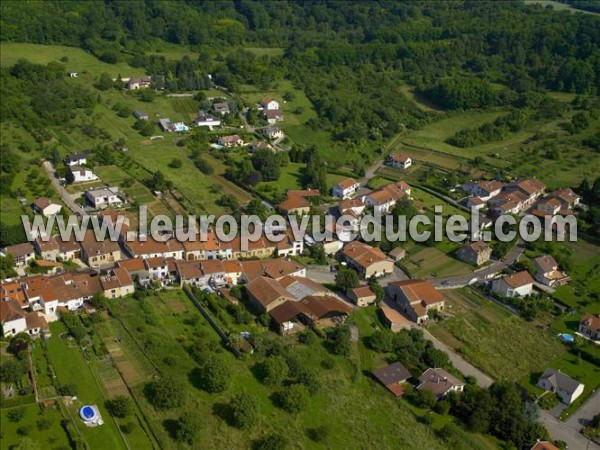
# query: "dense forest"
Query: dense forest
{"points": [[347, 56]]}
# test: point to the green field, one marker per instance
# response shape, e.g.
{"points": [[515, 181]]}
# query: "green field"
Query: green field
{"points": [[71, 368], [428, 262], [358, 412], [494, 339], [79, 60]]}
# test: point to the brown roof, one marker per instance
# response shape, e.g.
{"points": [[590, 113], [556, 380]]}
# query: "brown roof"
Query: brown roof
{"points": [[518, 279], [545, 263], [273, 268], [347, 183], [363, 292], [566, 195], [530, 186], [293, 203], [438, 381], [42, 203], [9, 311], [12, 290], [390, 192], [490, 186], [93, 247], [189, 270], [351, 203], [231, 139], [362, 254], [116, 278], [303, 192], [49, 245], [477, 246], [400, 157], [212, 266], [419, 291], [321, 306], [273, 113], [266, 290], [544, 445], [133, 265], [590, 321], [151, 245], [35, 320], [70, 245], [20, 250], [287, 311], [395, 317]]}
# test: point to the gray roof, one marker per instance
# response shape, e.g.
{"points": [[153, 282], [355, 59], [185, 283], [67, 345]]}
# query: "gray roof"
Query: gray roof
{"points": [[545, 263], [560, 381], [394, 373]]}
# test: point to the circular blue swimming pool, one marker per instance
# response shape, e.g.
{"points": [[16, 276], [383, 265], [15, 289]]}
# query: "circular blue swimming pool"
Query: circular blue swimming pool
{"points": [[87, 413]]}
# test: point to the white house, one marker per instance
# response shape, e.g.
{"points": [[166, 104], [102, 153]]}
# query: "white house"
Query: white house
{"points": [[103, 197], [269, 104], [76, 159], [400, 160], [12, 318], [78, 174], [206, 120], [46, 207], [345, 188], [485, 190], [567, 388], [519, 284]]}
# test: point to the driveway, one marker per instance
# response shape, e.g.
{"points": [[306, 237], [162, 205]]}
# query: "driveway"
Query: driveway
{"points": [[370, 172], [569, 431], [67, 198], [481, 275]]}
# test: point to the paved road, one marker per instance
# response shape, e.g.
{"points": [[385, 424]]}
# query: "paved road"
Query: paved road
{"points": [[370, 172], [326, 276], [568, 431], [463, 366], [481, 275], [67, 198]]}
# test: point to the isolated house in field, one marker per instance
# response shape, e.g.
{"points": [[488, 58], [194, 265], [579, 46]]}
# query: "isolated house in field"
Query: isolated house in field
{"points": [[79, 174], [393, 377], [165, 124], [439, 382], [567, 388], [104, 198], [139, 83], [519, 284], [345, 188], [547, 272], [589, 326], [206, 120], [475, 253], [368, 261], [22, 253], [416, 298], [140, 115], [232, 140], [399, 160], [46, 207], [221, 108], [297, 201], [76, 159], [269, 104]]}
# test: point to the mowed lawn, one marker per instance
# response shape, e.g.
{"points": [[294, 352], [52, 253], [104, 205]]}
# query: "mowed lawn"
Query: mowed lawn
{"points": [[358, 412], [428, 262], [71, 368], [498, 342]]}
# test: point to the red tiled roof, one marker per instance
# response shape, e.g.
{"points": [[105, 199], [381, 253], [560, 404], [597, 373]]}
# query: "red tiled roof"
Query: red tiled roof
{"points": [[518, 279]]}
